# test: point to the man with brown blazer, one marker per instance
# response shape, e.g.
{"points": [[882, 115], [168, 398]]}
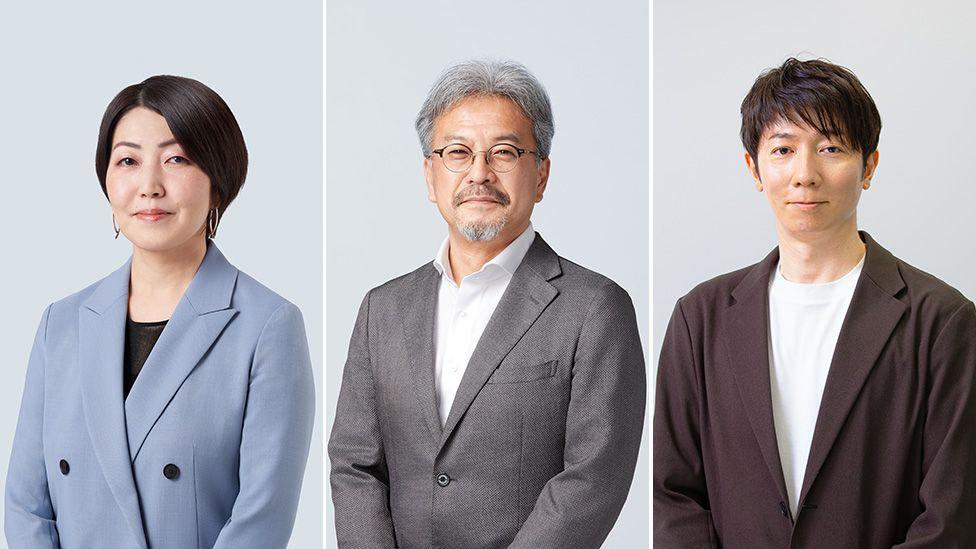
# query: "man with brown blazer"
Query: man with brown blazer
{"points": [[823, 397], [493, 397]]}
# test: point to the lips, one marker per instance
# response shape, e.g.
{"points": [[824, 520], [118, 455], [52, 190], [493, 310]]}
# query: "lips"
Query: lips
{"points": [[808, 205], [152, 214]]}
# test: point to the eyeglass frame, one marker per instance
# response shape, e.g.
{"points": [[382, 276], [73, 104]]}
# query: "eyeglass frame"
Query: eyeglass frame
{"points": [[440, 152]]}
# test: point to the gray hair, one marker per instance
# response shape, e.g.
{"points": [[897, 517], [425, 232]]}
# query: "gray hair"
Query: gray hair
{"points": [[488, 77]]}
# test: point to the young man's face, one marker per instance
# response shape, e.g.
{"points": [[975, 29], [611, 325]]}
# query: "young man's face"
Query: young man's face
{"points": [[812, 182]]}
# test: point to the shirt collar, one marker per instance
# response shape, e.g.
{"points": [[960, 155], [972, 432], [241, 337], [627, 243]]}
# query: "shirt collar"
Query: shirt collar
{"points": [[508, 260]]}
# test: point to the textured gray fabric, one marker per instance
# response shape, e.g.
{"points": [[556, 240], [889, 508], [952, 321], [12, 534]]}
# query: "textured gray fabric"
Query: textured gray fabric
{"points": [[542, 437]]}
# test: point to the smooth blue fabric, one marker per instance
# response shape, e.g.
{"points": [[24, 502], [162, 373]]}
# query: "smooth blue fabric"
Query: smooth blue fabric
{"points": [[226, 395]]}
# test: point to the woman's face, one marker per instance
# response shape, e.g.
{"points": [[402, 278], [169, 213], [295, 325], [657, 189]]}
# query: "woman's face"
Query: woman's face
{"points": [[159, 196]]}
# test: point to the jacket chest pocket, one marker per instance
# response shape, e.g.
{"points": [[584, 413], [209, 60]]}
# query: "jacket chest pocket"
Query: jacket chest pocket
{"points": [[512, 373]]}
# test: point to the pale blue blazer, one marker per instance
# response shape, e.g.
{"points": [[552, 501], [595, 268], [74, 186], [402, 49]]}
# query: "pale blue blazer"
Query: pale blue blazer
{"points": [[226, 396]]}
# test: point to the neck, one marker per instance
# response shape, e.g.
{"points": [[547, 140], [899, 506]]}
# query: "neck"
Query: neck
{"points": [[468, 257], [819, 259], [158, 279]]}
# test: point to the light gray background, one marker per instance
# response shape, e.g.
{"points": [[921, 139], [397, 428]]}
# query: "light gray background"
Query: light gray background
{"points": [[381, 59], [61, 67], [917, 61]]}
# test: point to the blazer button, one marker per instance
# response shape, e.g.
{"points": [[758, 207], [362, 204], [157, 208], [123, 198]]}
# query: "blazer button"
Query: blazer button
{"points": [[443, 480], [63, 465], [783, 510], [171, 471]]}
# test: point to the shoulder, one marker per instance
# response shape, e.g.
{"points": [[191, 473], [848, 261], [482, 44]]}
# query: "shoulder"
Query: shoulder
{"points": [[393, 289], [588, 295], [255, 296], [261, 306], [932, 303], [588, 287], [64, 312], [924, 290], [714, 294]]}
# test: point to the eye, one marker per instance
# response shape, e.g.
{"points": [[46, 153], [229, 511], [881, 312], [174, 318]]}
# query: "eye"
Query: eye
{"points": [[456, 151], [505, 153], [179, 160], [833, 149], [780, 151], [127, 161]]}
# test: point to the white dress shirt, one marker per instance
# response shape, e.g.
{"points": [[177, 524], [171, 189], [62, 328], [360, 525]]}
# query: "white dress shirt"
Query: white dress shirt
{"points": [[463, 312], [804, 324]]}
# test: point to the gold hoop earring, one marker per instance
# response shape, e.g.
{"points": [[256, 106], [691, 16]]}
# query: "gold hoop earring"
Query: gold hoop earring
{"points": [[213, 219], [116, 227]]}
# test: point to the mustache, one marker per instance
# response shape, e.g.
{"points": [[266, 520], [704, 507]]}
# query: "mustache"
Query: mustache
{"points": [[481, 191]]}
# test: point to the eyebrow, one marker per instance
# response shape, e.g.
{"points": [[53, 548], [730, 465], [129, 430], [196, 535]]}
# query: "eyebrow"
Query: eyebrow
{"points": [[166, 143], [781, 135], [503, 138]]}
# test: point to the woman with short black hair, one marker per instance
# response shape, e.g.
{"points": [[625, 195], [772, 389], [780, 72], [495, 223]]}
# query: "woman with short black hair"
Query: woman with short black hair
{"points": [[169, 405]]}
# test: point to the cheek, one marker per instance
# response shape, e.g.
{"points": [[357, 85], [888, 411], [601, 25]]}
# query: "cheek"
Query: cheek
{"points": [[193, 192], [444, 190], [116, 190]]}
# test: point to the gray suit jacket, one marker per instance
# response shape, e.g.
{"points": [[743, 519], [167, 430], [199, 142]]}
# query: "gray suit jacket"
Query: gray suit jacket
{"points": [[540, 444]]}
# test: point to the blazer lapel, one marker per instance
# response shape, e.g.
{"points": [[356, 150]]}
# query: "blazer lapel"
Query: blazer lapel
{"points": [[527, 295], [746, 339], [101, 338], [201, 315], [872, 316], [419, 308]]}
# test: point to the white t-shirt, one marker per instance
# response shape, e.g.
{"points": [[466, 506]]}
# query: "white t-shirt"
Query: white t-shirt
{"points": [[463, 312], [804, 323]]}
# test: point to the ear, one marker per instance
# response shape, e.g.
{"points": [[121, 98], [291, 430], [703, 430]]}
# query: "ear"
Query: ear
{"points": [[429, 177], [753, 168], [542, 180], [869, 167]]}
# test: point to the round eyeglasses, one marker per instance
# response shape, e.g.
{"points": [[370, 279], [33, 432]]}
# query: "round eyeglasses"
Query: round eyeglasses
{"points": [[501, 158]]}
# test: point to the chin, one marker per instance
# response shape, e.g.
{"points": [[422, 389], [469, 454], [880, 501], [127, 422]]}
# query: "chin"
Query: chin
{"points": [[161, 243], [481, 230]]}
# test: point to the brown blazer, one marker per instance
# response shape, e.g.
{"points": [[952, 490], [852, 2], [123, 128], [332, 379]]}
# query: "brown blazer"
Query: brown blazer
{"points": [[893, 457]]}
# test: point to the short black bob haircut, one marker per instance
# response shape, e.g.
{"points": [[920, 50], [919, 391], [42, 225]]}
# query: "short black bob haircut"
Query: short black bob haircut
{"points": [[201, 123], [817, 93]]}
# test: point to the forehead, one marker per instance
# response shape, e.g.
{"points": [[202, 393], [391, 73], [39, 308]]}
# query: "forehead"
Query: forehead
{"points": [[783, 128], [484, 117], [142, 124]]}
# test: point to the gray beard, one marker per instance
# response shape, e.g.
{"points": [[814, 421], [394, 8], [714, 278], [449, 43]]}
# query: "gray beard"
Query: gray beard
{"points": [[481, 232]]}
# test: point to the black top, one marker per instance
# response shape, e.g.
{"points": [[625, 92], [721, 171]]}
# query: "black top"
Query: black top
{"points": [[140, 337]]}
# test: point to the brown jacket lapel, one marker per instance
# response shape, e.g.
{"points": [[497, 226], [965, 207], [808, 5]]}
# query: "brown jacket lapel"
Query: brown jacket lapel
{"points": [[747, 341], [872, 316]]}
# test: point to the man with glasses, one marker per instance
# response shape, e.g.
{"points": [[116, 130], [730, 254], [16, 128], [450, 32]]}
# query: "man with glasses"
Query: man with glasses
{"points": [[495, 396], [825, 396]]}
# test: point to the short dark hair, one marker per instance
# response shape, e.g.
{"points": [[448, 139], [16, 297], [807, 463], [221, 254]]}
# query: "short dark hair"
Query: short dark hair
{"points": [[818, 93], [201, 122]]}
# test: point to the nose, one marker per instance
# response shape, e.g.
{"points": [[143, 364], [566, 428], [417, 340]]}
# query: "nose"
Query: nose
{"points": [[151, 182], [805, 170], [479, 172]]}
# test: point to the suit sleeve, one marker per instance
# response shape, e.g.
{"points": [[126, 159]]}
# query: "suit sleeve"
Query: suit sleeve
{"points": [[29, 516], [948, 490], [275, 438], [604, 422], [360, 479], [682, 518]]}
